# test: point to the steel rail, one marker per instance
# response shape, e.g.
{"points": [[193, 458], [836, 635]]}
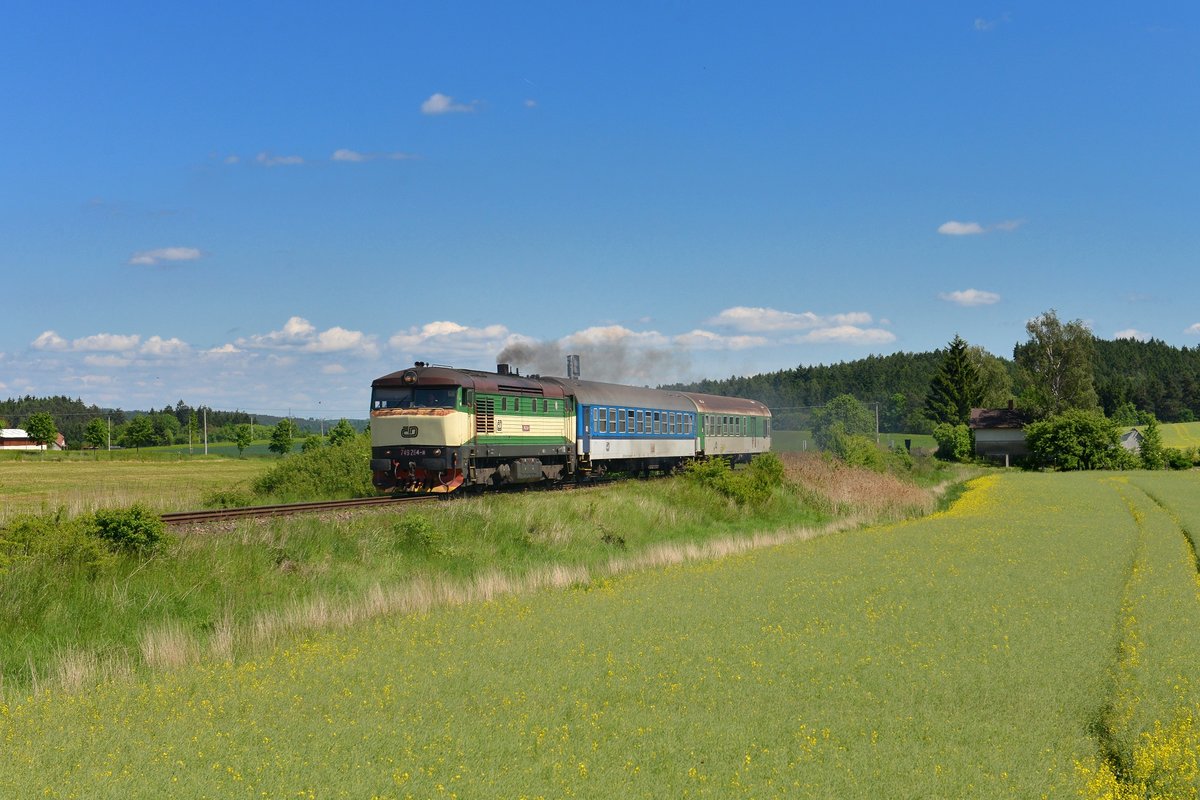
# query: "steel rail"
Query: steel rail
{"points": [[283, 509]]}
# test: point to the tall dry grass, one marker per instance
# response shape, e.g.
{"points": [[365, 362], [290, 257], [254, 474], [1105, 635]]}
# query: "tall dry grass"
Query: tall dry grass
{"points": [[855, 492]]}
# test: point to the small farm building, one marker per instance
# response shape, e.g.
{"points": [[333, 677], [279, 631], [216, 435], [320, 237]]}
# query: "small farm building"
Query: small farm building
{"points": [[999, 433], [1132, 439], [17, 439]]}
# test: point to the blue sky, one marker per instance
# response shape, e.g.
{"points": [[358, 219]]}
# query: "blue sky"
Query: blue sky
{"points": [[264, 206]]}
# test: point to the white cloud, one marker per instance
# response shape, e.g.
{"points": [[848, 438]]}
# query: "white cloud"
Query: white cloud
{"points": [[955, 228], [1193, 328], [106, 361], [268, 160], [451, 338], [614, 335], [970, 297], [762, 320], [1132, 333], [232, 159], [439, 103], [531, 103], [49, 340], [223, 350], [355, 157], [114, 342], [300, 335], [153, 257], [158, 346], [333, 369], [707, 340], [848, 334], [982, 24]]}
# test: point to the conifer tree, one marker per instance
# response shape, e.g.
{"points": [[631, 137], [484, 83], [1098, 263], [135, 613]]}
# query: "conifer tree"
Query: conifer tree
{"points": [[955, 388]]}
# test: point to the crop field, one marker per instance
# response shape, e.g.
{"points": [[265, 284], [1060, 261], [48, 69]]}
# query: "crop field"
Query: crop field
{"points": [[32, 484], [1183, 435], [1038, 639]]}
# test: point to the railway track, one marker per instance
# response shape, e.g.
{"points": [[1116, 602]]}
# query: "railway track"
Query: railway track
{"points": [[179, 518]]}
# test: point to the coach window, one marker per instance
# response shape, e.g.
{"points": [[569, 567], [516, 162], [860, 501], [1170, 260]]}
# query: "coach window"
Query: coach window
{"points": [[656, 423], [602, 426], [674, 422], [637, 422], [621, 421], [612, 420]]}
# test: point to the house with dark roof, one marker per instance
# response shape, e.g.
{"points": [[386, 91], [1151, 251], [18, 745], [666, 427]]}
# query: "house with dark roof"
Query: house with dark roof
{"points": [[999, 433]]}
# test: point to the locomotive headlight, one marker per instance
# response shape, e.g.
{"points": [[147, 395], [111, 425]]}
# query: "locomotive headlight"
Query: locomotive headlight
{"points": [[409, 377], [437, 452]]}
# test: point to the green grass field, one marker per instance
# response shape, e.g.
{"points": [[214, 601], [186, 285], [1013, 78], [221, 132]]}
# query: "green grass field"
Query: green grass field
{"points": [[32, 484], [1183, 435], [1039, 639]]}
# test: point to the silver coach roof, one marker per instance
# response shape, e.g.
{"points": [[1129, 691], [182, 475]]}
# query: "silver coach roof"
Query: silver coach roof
{"points": [[719, 404], [592, 393]]}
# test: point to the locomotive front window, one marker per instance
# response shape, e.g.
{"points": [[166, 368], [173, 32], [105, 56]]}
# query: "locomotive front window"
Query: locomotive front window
{"points": [[414, 397]]}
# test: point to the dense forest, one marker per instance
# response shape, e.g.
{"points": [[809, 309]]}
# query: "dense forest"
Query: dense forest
{"points": [[1153, 376]]}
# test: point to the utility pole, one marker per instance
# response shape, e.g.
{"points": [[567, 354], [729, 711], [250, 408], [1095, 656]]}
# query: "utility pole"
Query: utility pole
{"points": [[206, 431], [110, 431]]}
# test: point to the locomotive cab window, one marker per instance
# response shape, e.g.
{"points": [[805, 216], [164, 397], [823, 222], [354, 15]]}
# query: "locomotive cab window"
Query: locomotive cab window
{"points": [[414, 397]]}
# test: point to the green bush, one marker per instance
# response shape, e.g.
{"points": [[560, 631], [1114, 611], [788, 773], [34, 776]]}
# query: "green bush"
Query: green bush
{"points": [[1178, 459], [136, 529], [228, 498], [954, 441], [320, 474], [417, 531], [1076, 440], [50, 538], [753, 485]]}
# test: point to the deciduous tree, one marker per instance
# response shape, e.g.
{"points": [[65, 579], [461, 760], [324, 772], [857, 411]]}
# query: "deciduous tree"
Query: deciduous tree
{"points": [[282, 437], [96, 433], [40, 427], [242, 437], [341, 433], [139, 432], [1055, 366]]}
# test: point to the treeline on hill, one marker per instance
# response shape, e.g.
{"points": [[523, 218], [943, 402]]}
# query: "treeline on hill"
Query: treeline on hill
{"points": [[1153, 376], [176, 424]]}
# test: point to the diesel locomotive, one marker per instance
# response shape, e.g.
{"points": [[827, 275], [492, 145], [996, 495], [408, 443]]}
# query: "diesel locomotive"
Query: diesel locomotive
{"points": [[438, 429]]}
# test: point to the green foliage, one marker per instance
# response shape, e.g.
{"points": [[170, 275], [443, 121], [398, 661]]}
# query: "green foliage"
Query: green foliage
{"points": [[995, 378], [954, 441], [282, 436], [418, 531], [54, 540], [96, 433], [1055, 366], [139, 432], [842, 416], [40, 427], [342, 433], [1177, 458], [319, 474], [135, 529], [1077, 439], [955, 388], [311, 442], [242, 437], [752, 486], [1152, 453], [228, 498]]}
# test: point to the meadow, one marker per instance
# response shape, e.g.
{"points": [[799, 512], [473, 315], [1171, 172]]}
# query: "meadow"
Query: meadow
{"points": [[45, 482], [1037, 639], [802, 441]]}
